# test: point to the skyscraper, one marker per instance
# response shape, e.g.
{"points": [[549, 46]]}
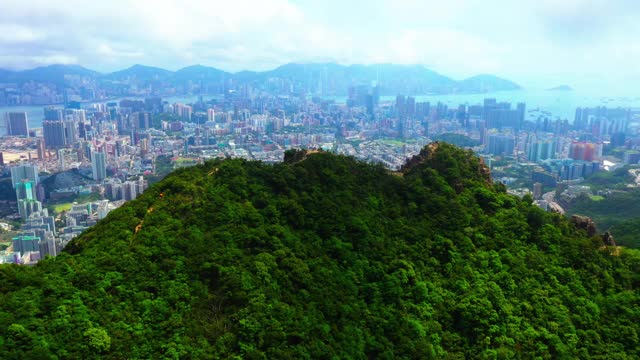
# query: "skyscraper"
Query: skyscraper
{"points": [[61, 159], [24, 172], [142, 120], [51, 113], [537, 190], [375, 92], [25, 243], [54, 133], [500, 144], [521, 112], [370, 103], [182, 110], [98, 165], [400, 106], [24, 179], [17, 124], [78, 114], [499, 118], [71, 132], [41, 147], [410, 107]]}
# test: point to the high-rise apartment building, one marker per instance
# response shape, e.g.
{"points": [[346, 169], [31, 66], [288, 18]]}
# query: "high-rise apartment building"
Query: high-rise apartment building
{"points": [[24, 179], [501, 144], [54, 133], [71, 131], [182, 110], [98, 165], [24, 172], [52, 113], [17, 124], [41, 148]]}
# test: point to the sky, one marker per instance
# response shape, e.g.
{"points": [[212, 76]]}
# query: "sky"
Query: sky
{"points": [[589, 43]]}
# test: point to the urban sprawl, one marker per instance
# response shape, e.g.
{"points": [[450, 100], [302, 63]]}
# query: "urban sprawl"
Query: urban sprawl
{"points": [[89, 158]]}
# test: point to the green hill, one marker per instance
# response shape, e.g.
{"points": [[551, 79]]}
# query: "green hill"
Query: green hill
{"points": [[321, 257]]}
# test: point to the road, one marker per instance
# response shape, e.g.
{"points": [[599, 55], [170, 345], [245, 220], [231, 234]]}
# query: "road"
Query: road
{"points": [[549, 197]]}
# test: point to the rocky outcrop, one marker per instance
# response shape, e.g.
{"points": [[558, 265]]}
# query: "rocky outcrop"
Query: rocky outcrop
{"points": [[584, 223], [607, 238]]}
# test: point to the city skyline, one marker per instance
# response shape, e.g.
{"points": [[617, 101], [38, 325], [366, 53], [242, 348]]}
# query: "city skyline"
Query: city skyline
{"points": [[573, 42]]}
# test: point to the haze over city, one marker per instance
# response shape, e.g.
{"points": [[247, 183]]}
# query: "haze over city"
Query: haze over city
{"points": [[535, 43]]}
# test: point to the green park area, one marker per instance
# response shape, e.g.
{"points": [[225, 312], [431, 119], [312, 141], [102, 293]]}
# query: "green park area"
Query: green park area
{"points": [[58, 208]]}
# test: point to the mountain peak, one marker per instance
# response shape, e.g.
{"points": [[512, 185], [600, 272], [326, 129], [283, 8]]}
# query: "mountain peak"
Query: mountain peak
{"points": [[139, 71], [561, 88], [458, 167], [199, 72], [329, 257], [411, 79], [487, 83]]}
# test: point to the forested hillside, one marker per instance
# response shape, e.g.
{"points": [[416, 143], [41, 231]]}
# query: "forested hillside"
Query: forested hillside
{"points": [[617, 213], [321, 257]]}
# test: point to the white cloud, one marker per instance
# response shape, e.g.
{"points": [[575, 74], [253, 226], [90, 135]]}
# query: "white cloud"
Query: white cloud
{"points": [[18, 34], [518, 39], [107, 50], [18, 62]]}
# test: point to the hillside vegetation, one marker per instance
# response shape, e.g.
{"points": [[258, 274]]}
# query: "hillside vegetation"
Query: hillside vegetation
{"points": [[611, 210], [326, 257]]}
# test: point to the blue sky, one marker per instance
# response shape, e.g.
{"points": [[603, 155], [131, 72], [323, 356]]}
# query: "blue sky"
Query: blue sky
{"points": [[590, 43]]}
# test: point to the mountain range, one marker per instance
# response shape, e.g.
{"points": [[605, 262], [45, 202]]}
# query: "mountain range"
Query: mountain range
{"points": [[330, 78]]}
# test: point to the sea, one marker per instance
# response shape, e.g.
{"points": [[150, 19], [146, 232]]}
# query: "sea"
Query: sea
{"points": [[539, 103]]}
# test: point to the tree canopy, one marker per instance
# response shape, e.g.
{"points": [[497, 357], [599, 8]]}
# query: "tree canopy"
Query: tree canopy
{"points": [[327, 257]]}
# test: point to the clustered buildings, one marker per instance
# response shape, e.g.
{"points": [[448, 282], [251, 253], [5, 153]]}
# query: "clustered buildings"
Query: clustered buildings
{"points": [[117, 145]]}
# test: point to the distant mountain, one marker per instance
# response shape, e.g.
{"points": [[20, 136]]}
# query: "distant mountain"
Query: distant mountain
{"points": [[52, 74], [561, 88], [487, 83], [140, 72], [325, 78], [247, 75], [5, 74], [199, 72], [410, 79], [393, 79]]}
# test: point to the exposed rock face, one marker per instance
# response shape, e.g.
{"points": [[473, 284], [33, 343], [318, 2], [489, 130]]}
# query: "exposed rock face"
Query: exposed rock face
{"points": [[484, 169], [585, 223], [425, 154], [607, 238]]}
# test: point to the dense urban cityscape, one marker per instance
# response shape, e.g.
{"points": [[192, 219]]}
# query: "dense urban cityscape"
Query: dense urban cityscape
{"points": [[87, 158]]}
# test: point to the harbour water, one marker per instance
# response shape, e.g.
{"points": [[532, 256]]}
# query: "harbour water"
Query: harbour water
{"points": [[551, 104], [35, 114]]}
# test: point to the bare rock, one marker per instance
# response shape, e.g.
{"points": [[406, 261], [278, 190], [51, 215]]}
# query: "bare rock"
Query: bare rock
{"points": [[584, 223], [607, 238]]}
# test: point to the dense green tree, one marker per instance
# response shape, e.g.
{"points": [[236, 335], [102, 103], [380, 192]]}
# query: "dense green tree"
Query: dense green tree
{"points": [[323, 256]]}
